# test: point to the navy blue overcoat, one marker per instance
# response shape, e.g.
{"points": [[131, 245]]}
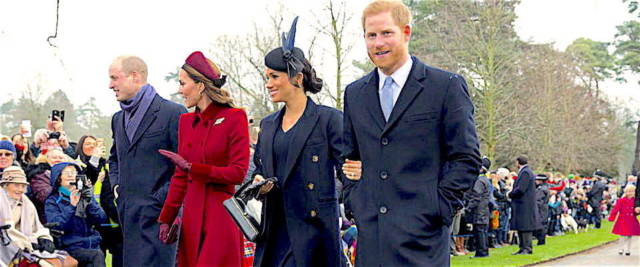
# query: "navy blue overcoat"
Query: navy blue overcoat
{"points": [[524, 212], [416, 166], [142, 176], [310, 199]]}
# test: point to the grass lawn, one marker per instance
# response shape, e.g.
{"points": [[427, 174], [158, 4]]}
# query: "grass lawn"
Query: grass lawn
{"points": [[556, 246]]}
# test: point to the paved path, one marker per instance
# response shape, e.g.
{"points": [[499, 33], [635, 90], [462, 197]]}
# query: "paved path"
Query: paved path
{"points": [[603, 256]]}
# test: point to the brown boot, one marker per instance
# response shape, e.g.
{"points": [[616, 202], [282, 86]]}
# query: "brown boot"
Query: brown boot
{"points": [[460, 245]]}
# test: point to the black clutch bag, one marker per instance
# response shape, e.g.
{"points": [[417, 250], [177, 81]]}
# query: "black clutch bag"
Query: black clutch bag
{"points": [[245, 207]]}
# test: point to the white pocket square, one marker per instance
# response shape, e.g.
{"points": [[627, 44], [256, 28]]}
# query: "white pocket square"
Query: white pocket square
{"points": [[218, 121]]}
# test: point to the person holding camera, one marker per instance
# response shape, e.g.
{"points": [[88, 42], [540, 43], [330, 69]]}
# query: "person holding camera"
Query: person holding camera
{"points": [[21, 228], [91, 152], [72, 208], [53, 136]]}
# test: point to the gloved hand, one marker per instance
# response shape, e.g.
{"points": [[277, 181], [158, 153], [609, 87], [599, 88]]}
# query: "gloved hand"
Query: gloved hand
{"points": [[163, 234], [87, 193], [46, 245], [176, 159]]}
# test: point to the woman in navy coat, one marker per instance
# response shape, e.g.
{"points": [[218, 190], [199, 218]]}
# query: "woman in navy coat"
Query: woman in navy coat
{"points": [[300, 145]]}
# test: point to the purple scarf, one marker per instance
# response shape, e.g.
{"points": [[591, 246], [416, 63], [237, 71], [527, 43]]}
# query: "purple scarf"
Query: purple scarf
{"points": [[135, 108]]}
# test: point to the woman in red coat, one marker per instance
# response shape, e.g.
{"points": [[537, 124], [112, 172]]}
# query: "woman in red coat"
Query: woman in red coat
{"points": [[626, 224], [213, 157]]}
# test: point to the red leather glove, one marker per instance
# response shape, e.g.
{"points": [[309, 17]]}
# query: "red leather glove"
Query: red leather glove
{"points": [[176, 159], [163, 234]]}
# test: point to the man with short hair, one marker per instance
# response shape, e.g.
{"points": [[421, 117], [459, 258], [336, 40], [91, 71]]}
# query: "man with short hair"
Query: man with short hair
{"points": [[139, 174], [595, 197], [524, 213], [411, 129]]}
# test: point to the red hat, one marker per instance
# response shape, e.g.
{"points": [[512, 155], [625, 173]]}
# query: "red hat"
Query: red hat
{"points": [[197, 61]]}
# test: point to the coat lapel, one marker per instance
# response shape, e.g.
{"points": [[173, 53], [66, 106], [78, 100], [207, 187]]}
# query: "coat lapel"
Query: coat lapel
{"points": [[147, 120], [372, 99], [269, 132], [306, 124], [411, 89], [121, 134]]}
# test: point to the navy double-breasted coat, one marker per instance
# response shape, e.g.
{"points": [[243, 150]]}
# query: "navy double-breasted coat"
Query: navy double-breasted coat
{"points": [[308, 188]]}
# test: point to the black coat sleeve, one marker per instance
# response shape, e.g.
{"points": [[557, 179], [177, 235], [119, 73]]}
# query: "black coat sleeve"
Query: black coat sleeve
{"points": [[462, 154], [108, 199]]}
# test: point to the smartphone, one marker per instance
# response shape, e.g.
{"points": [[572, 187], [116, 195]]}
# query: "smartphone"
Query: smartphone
{"points": [[57, 114]]}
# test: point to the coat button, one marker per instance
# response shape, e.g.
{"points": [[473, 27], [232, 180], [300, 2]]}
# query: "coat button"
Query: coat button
{"points": [[384, 175], [383, 210], [385, 141], [313, 213], [315, 158], [310, 186]]}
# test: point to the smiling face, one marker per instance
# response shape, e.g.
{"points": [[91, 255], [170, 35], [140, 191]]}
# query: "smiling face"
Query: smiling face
{"points": [[89, 146], [68, 176], [387, 42], [190, 90], [15, 190], [279, 86], [6, 158]]}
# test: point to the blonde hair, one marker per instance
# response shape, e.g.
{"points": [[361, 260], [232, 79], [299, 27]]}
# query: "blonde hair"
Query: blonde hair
{"points": [[629, 189], [218, 95], [129, 64], [502, 172], [399, 11]]}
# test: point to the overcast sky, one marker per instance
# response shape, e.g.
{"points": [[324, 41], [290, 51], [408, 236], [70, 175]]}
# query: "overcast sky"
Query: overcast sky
{"points": [[92, 33]]}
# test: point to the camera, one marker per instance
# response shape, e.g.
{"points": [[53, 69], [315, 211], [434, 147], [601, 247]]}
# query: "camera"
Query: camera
{"points": [[57, 114], [81, 182], [54, 135]]}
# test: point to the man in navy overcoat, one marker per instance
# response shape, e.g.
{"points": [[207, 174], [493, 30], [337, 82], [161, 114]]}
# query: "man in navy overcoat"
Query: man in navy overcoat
{"points": [[412, 128], [524, 212], [139, 174]]}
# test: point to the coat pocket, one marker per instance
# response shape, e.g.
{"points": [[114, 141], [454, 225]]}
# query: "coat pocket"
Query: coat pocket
{"points": [[426, 116]]}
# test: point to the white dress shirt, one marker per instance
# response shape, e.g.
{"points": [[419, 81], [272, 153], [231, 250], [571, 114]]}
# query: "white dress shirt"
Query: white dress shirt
{"points": [[400, 77]]}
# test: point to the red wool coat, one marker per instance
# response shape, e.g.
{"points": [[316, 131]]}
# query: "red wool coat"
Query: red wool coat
{"points": [[216, 143], [627, 222]]}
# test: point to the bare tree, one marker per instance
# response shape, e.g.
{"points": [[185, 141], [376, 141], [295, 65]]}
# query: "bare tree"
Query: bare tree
{"points": [[336, 29]]}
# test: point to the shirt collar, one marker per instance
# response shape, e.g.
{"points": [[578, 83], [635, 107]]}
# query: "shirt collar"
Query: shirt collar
{"points": [[400, 76], [522, 167]]}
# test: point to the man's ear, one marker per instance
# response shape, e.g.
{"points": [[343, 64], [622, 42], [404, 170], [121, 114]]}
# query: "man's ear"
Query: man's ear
{"points": [[407, 32], [135, 76]]}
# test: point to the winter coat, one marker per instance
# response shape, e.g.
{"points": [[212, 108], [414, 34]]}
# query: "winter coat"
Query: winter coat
{"points": [[216, 143], [142, 176], [626, 220], [542, 201], [479, 201], [40, 184], [524, 212]]}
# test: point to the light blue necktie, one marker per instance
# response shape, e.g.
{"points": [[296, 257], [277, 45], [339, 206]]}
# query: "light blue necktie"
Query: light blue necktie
{"points": [[386, 97]]}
